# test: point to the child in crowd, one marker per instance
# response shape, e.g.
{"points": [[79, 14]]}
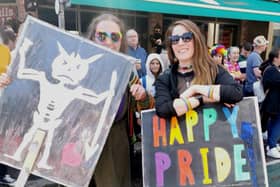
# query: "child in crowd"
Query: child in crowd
{"points": [[218, 53]]}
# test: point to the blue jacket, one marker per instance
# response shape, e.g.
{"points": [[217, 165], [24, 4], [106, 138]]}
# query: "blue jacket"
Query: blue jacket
{"points": [[139, 53]]}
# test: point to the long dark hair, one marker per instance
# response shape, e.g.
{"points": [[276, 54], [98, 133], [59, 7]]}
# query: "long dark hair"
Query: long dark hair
{"points": [[203, 65], [104, 17]]}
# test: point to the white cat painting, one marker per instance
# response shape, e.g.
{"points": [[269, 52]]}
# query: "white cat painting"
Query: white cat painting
{"points": [[55, 97]]}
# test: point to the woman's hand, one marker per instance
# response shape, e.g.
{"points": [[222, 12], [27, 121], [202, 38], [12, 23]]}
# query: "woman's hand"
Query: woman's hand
{"points": [[190, 92], [4, 80], [212, 92], [138, 92]]}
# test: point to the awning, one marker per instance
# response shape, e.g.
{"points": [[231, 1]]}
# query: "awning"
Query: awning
{"points": [[259, 10]]}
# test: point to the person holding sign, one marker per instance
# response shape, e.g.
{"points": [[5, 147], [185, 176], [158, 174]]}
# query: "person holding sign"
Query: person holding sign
{"points": [[113, 167], [194, 78]]}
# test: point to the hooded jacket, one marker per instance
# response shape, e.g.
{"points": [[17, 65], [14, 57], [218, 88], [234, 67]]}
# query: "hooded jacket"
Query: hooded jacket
{"points": [[149, 80]]}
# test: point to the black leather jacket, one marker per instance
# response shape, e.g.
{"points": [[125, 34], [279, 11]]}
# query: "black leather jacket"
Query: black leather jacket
{"points": [[166, 90]]}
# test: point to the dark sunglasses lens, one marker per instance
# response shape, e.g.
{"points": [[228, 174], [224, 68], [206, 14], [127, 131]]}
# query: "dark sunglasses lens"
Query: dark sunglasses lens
{"points": [[101, 36], [174, 39], [187, 36], [115, 37]]}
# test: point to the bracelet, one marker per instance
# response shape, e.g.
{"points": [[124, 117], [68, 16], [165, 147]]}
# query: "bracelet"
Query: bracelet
{"points": [[200, 99], [208, 92], [211, 92], [185, 102], [189, 104]]}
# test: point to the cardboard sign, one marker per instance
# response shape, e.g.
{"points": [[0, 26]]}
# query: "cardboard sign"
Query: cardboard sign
{"points": [[68, 87], [210, 146]]}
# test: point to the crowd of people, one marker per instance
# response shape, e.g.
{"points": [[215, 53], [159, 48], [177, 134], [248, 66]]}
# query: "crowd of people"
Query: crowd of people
{"points": [[181, 74]]}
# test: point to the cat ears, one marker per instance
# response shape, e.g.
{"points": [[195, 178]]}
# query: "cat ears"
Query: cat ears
{"points": [[88, 61]]}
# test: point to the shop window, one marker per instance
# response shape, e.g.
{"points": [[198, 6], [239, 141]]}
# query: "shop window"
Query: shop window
{"points": [[139, 23], [228, 35], [48, 15], [276, 36]]}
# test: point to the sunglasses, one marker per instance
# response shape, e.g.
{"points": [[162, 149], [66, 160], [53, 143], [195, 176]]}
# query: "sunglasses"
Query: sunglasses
{"points": [[114, 36], [186, 37]]}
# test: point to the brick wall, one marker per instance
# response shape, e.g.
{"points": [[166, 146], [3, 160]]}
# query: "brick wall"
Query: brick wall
{"points": [[21, 10]]}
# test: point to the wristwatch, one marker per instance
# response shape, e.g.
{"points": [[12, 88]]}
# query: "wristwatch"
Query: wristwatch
{"points": [[200, 99]]}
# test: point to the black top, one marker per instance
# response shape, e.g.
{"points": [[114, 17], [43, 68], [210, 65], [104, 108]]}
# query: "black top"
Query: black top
{"points": [[184, 81], [167, 90], [271, 81]]}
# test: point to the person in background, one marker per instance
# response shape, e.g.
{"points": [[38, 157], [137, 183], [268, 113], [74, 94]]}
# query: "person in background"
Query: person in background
{"points": [[245, 51], [267, 62], [9, 38], [136, 51], [157, 39], [264, 115], [254, 60], [271, 103], [5, 55], [232, 65], [113, 167], [5, 59], [154, 67], [194, 78], [218, 53], [13, 24]]}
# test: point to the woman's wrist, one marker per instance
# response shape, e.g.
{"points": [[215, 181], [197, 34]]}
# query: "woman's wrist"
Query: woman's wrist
{"points": [[214, 92], [179, 106], [191, 102]]}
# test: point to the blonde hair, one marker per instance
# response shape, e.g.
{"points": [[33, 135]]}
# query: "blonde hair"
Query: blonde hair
{"points": [[204, 68]]}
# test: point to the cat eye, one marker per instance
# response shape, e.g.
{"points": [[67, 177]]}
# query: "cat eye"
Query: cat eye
{"points": [[186, 37], [114, 36]]}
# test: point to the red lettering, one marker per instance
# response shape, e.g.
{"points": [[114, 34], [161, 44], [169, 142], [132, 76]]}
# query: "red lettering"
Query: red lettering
{"points": [[184, 162], [159, 131]]}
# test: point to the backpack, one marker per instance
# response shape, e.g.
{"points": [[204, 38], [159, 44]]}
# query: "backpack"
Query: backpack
{"points": [[258, 86], [259, 91]]}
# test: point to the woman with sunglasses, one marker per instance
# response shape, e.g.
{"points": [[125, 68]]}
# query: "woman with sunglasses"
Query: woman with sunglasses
{"points": [[113, 167], [194, 78]]}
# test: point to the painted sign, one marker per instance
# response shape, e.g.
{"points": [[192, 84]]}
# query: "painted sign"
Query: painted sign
{"points": [[68, 87], [211, 146]]}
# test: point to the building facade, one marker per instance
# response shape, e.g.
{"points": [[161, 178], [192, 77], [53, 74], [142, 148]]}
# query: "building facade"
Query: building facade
{"points": [[229, 32]]}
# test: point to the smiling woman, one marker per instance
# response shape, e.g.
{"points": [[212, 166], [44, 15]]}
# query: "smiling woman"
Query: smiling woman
{"points": [[194, 77]]}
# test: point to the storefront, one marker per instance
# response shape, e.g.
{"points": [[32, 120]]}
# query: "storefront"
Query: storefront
{"points": [[276, 35], [226, 22], [8, 10]]}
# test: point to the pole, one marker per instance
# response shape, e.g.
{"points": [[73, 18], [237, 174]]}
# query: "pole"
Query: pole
{"points": [[33, 153], [61, 18], [59, 10]]}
